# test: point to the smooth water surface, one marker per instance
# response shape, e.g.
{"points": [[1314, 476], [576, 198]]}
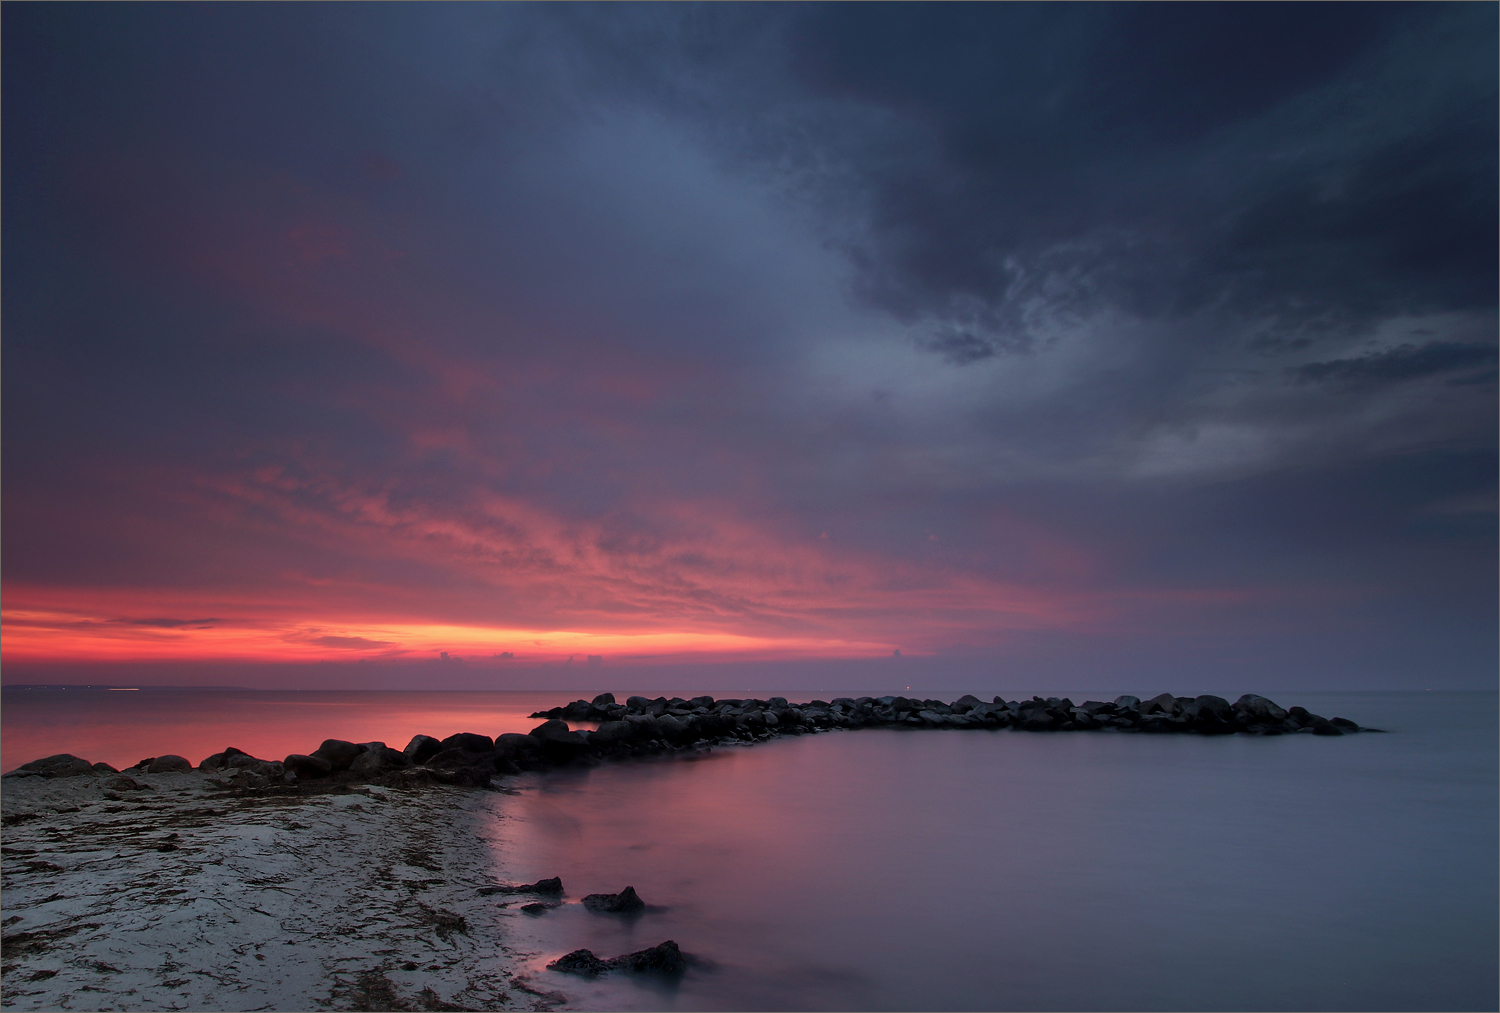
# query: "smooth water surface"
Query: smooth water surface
{"points": [[886, 869], [120, 728]]}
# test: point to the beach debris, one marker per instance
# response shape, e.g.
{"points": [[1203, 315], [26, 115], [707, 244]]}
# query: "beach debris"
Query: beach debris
{"points": [[624, 902]]}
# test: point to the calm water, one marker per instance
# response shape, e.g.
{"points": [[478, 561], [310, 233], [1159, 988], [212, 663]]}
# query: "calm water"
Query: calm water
{"points": [[121, 727], [977, 870]]}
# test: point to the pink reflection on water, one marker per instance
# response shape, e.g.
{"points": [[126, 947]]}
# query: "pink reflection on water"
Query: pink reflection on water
{"points": [[121, 728]]}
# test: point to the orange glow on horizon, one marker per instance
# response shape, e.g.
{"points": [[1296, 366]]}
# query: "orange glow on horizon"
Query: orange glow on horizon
{"points": [[33, 635]]}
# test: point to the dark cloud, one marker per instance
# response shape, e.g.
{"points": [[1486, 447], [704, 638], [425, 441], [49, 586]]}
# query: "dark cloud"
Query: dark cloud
{"points": [[1171, 158], [1407, 362], [350, 643], [168, 624]]}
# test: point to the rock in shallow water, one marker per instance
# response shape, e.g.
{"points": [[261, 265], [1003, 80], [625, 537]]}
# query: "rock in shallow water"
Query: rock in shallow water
{"points": [[663, 958], [624, 902], [546, 887], [579, 962]]}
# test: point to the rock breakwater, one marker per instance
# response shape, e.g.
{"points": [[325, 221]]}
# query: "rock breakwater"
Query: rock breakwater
{"points": [[640, 727]]}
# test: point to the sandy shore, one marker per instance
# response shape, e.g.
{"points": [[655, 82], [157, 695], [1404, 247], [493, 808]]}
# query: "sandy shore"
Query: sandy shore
{"points": [[189, 897]]}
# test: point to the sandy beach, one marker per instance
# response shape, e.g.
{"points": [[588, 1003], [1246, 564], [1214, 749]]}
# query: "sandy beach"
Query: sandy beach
{"points": [[184, 896]]}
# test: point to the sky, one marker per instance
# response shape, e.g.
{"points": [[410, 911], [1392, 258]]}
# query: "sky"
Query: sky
{"points": [[519, 346]]}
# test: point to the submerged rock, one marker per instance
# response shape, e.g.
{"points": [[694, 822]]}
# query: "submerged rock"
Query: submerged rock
{"points": [[579, 962], [663, 958], [624, 902], [546, 887]]}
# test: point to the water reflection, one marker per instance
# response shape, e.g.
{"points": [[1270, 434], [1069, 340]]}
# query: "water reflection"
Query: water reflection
{"points": [[916, 870], [121, 728]]}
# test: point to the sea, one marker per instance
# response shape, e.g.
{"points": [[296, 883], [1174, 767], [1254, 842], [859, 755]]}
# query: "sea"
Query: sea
{"points": [[953, 870]]}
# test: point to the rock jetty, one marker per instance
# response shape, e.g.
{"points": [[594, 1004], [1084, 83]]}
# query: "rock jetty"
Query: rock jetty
{"points": [[641, 727]]}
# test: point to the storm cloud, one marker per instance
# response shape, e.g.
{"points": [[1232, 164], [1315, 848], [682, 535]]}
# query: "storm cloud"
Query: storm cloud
{"points": [[1049, 339]]}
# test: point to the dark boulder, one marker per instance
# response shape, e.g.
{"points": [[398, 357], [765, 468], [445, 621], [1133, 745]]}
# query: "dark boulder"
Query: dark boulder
{"points": [[1208, 704], [1343, 724], [271, 769], [220, 760], [536, 907], [663, 958], [1036, 721], [104, 768], [244, 777], [558, 743], [1127, 703], [624, 902], [307, 767], [470, 741], [603, 699], [422, 748], [1165, 703], [546, 887], [673, 728], [636, 704], [337, 752], [124, 782], [1211, 722], [1252, 710], [169, 764], [579, 962], [460, 759], [515, 746], [553, 729], [377, 761], [59, 765], [610, 732], [1322, 727], [964, 704]]}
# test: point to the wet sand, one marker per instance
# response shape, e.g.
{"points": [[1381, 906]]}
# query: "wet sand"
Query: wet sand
{"points": [[189, 897]]}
